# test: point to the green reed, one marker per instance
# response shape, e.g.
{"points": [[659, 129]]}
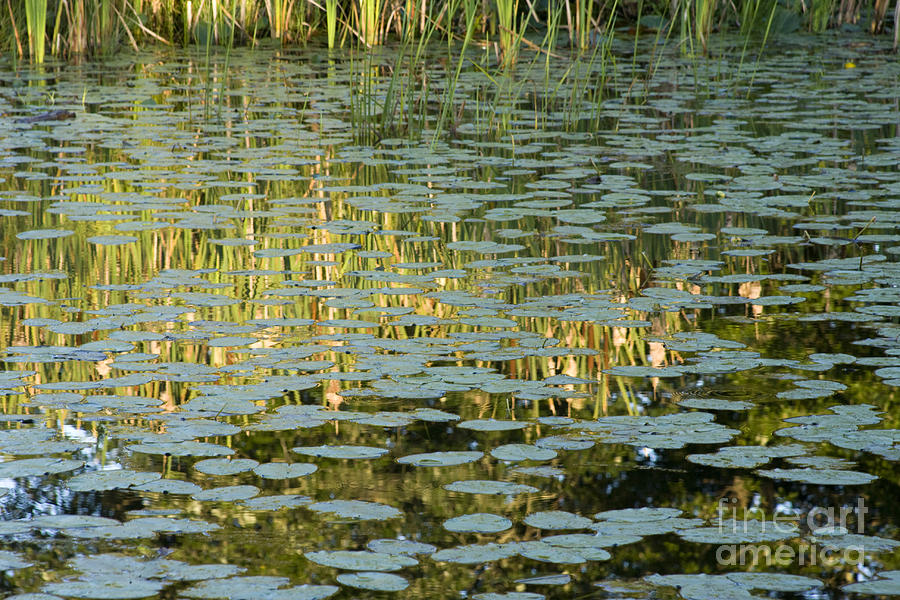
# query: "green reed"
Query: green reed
{"points": [[506, 22], [820, 12], [331, 10], [81, 28], [36, 22], [370, 13]]}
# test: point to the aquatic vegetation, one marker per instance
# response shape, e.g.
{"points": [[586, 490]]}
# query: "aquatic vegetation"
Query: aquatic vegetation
{"points": [[450, 334], [99, 27]]}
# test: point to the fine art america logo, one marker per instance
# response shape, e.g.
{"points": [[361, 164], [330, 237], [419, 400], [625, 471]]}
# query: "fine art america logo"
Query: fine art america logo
{"points": [[831, 542]]}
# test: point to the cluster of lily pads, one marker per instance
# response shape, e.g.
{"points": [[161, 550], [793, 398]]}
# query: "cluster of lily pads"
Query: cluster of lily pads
{"points": [[254, 284]]}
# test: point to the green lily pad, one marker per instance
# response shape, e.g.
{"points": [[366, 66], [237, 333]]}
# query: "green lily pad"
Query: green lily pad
{"points": [[224, 466], [519, 452], [284, 470], [360, 560], [388, 546], [372, 580], [109, 480], [557, 519], [29, 467], [475, 554], [257, 587], [497, 488], [356, 509], [887, 584], [440, 459], [820, 476], [478, 523], [228, 493], [345, 452], [492, 425]]}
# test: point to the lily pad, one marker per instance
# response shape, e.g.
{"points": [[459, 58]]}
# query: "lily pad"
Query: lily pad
{"points": [[224, 466], [29, 467], [388, 546], [492, 425], [519, 452], [228, 493], [108, 480], [498, 488], [475, 554], [820, 476], [284, 470], [356, 509], [478, 523], [346, 452], [557, 519], [257, 587], [372, 580], [360, 560], [440, 459], [887, 584]]}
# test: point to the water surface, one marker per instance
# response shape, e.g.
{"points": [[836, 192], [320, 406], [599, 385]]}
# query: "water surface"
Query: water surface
{"points": [[289, 325]]}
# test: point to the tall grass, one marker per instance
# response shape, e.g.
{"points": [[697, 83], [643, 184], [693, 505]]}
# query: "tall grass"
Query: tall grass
{"points": [[370, 13], [36, 22], [509, 35], [72, 29]]}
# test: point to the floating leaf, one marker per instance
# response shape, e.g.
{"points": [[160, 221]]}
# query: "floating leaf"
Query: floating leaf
{"points": [[109, 480], [498, 488], [360, 560], [478, 523], [887, 584], [519, 452], [356, 509], [347, 452], [112, 240], [371, 580], [276, 502], [228, 493], [475, 554], [492, 425], [440, 459], [182, 449], [560, 579], [508, 596], [44, 234], [121, 589], [169, 486], [256, 588], [820, 476], [29, 467], [557, 519], [386, 546], [284, 470], [224, 466]]}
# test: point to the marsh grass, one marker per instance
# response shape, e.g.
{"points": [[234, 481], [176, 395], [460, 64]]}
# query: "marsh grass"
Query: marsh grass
{"points": [[36, 22], [370, 13], [73, 29], [509, 33]]}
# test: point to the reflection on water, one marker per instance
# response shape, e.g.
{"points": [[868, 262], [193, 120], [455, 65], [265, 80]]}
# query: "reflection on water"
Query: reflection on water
{"points": [[269, 333]]}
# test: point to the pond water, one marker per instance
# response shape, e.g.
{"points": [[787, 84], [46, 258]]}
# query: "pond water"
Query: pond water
{"points": [[291, 325]]}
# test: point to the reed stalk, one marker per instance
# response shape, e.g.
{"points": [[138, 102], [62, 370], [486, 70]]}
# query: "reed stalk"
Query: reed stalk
{"points": [[279, 14], [36, 23], [331, 8], [584, 11], [820, 12], [81, 28], [370, 13]]}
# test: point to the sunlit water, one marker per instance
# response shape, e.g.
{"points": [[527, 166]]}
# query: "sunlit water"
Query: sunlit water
{"points": [[262, 309]]}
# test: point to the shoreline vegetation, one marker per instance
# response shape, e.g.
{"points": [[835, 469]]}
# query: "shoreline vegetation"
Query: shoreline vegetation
{"points": [[75, 30]]}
